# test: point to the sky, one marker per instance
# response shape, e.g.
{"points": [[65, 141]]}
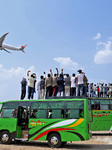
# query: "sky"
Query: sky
{"points": [[68, 34]]}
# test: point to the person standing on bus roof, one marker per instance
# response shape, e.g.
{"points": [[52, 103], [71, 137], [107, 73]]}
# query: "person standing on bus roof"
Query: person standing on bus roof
{"points": [[73, 85], [38, 89], [48, 84], [105, 90], [42, 87], [80, 78], [60, 82], [85, 80], [31, 84], [67, 85], [23, 88], [98, 90], [55, 83], [110, 90]]}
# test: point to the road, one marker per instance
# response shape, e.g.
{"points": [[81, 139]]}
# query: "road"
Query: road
{"points": [[96, 143]]}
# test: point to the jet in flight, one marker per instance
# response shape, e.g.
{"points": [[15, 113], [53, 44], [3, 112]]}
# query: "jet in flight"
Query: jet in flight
{"points": [[4, 46]]}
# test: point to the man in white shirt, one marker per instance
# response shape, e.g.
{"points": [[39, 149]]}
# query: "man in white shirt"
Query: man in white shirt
{"points": [[80, 78], [31, 84], [73, 86]]}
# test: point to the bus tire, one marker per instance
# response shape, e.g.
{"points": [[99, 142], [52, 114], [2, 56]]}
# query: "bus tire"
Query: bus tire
{"points": [[54, 140], [5, 137]]}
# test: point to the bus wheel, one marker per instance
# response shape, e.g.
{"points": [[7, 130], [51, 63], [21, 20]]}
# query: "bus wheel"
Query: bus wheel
{"points": [[54, 140], [5, 137]]}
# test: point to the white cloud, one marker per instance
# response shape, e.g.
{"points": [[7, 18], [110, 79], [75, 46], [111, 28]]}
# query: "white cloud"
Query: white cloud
{"points": [[32, 69], [104, 56], [13, 72], [10, 73], [67, 63], [10, 82], [98, 36]]}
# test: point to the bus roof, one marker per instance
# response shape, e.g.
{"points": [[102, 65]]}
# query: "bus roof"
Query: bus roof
{"points": [[40, 100], [99, 98]]}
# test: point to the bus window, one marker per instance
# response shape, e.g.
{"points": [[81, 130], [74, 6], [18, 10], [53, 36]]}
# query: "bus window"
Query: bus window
{"points": [[104, 107], [73, 114], [33, 113], [91, 102], [81, 113], [56, 114], [97, 107], [92, 107], [110, 107], [42, 114], [67, 114], [50, 113], [14, 113], [9, 113]]}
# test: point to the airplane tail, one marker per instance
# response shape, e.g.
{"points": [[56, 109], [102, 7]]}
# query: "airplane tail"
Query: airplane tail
{"points": [[22, 48]]}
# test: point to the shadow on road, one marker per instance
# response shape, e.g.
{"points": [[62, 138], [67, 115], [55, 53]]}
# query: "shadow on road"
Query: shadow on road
{"points": [[73, 146]]}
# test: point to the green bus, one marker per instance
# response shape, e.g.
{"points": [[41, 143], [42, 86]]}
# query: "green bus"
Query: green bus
{"points": [[102, 114], [54, 120]]}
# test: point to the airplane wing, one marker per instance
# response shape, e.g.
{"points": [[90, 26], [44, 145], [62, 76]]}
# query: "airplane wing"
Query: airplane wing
{"points": [[6, 50], [2, 39]]}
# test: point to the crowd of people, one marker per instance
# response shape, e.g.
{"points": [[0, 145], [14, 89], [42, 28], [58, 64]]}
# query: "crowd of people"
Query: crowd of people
{"points": [[60, 85]]}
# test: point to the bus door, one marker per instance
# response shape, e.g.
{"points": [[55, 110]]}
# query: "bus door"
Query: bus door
{"points": [[22, 123]]}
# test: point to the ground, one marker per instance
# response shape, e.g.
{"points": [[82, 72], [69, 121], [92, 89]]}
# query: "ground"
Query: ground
{"points": [[95, 140]]}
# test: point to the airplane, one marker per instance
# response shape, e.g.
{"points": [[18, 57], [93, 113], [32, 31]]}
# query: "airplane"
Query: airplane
{"points": [[4, 46]]}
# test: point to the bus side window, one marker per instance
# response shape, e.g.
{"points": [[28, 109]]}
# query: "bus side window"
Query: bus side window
{"points": [[67, 114], [73, 113], [92, 107], [97, 107], [56, 114], [50, 113], [62, 113], [104, 107], [81, 113], [110, 106], [42, 113], [33, 113], [14, 113]]}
